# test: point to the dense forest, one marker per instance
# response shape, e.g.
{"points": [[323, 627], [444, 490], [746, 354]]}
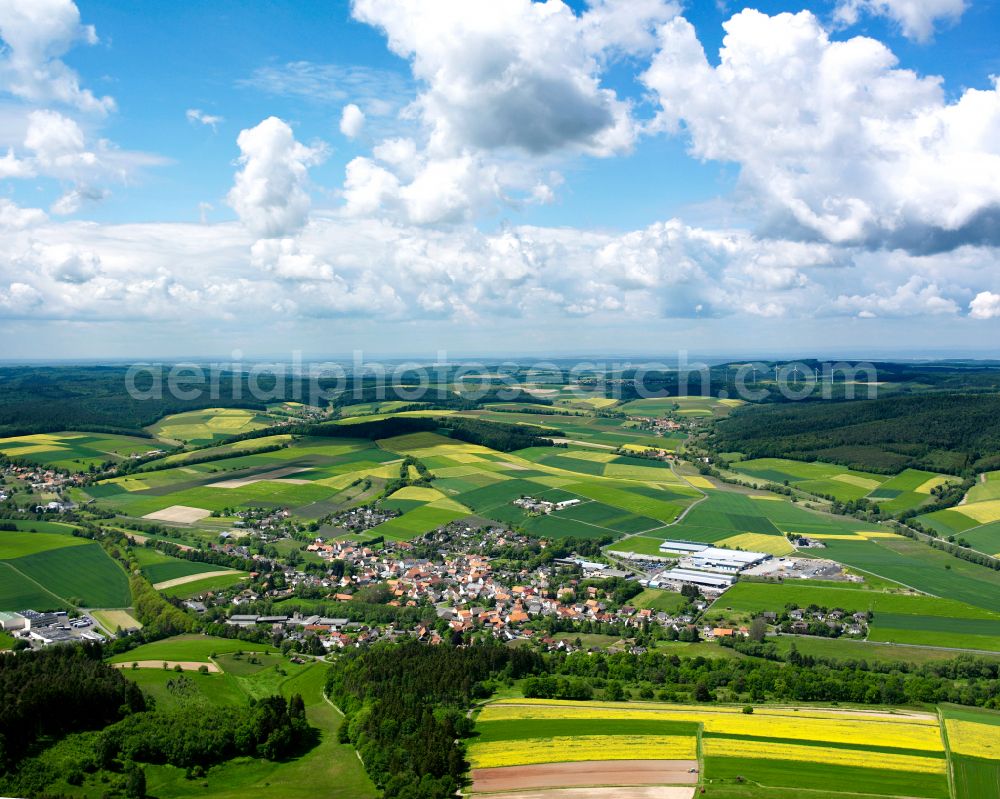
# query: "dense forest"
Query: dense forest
{"points": [[95, 398], [271, 727], [55, 691], [404, 707], [940, 432]]}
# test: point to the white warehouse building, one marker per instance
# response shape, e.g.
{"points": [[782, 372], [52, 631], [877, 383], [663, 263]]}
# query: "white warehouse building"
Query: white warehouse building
{"points": [[730, 561], [717, 582], [682, 547]]}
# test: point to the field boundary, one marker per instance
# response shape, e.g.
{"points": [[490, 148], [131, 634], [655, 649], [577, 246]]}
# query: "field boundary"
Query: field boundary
{"points": [[62, 600]]}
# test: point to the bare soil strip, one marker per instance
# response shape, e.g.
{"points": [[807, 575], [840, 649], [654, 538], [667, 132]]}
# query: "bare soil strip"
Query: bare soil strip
{"points": [[591, 773], [186, 665], [190, 578], [179, 513], [657, 792], [276, 474]]}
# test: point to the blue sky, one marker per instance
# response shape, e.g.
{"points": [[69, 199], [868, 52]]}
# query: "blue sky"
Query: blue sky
{"points": [[511, 176]]}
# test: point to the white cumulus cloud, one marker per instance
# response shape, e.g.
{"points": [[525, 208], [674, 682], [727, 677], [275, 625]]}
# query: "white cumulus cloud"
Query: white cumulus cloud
{"points": [[916, 18], [833, 135], [503, 89], [518, 74], [37, 33], [985, 305], [270, 194], [352, 120]]}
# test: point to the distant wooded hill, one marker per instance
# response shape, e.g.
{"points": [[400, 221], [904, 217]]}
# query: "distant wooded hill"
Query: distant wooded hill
{"points": [[940, 432]]}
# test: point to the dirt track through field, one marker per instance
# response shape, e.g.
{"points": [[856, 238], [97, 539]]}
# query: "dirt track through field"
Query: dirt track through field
{"points": [[190, 578], [186, 665], [591, 773]]}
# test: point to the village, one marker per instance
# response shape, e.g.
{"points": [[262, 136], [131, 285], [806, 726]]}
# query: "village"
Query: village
{"points": [[462, 591]]}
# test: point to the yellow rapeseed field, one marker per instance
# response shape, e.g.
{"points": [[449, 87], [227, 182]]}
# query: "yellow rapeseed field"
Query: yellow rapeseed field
{"points": [[766, 750], [982, 512], [972, 738], [528, 751], [808, 724], [699, 482], [421, 493], [758, 542]]}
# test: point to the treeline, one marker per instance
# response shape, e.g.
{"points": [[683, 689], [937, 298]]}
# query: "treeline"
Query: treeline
{"points": [[405, 709], [212, 556], [159, 618], [959, 549], [954, 433], [797, 678], [55, 691], [495, 435], [498, 435]]}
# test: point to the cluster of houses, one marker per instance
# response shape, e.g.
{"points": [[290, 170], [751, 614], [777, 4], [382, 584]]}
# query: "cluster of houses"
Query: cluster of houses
{"points": [[41, 479], [821, 622], [262, 519], [655, 424], [365, 517]]}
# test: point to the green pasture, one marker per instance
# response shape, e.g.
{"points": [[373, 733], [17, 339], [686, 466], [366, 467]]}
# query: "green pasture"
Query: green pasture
{"points": [[666, 601], [985, 538], [33, 526], [915, 564], [18, 544], [987, 487], [521, 729], [198, 587], [417, 522], [51, 570], [765, 775], [190, 647], [18, 592]]}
